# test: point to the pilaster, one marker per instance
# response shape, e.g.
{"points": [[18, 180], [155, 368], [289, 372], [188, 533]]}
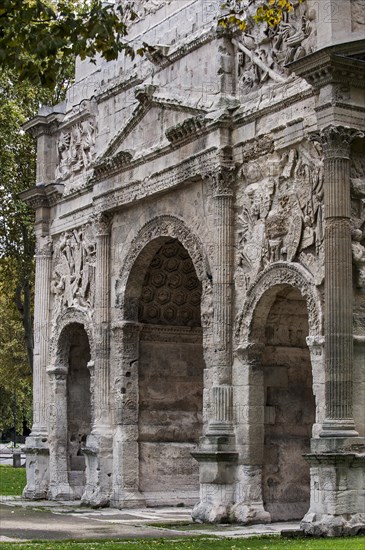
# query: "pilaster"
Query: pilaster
{"points": [[59, 487], [98, 449], [126, 492]]}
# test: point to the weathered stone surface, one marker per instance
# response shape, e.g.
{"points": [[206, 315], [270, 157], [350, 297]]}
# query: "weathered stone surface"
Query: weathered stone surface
{"points": [[200, 273]]}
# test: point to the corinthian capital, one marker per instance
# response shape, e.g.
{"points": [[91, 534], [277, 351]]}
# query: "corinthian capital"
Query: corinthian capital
{"points": [[336, 140], [221, 181], [44, 246], [101, 223]]}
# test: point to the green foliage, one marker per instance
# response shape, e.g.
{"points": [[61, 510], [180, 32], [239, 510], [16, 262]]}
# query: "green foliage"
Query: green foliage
{"points": [[37, 37], [203, 543], [12, 480], [269, 11], [19, 101]]}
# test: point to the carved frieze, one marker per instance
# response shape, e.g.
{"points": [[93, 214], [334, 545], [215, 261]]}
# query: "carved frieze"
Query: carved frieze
{"points": [[358, 15], [75, 149], [73, 279], [264, 52], [281, 218]]}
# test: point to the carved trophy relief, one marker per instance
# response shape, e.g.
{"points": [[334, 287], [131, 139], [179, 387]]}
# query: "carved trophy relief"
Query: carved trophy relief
{"points": [[75, 149], [73, 278], [358, 15], [263, 52], [282, 215]]}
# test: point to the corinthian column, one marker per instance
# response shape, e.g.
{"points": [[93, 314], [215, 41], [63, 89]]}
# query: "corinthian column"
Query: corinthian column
{"points": [[102, 315], [217, 455], [336, 142], [37, 447], [43, 258], [222, 412]]}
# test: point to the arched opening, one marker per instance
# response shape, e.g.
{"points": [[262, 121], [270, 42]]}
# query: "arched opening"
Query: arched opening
{"points": [[78, 405], [289, 404], [170, 380]]}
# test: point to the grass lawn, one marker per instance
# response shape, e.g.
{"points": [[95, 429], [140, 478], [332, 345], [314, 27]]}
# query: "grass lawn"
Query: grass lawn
{"points": [[203, 543], [12, 480]]}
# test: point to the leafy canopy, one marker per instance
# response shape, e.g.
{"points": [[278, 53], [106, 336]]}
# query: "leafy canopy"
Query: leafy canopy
{"points": [[37, 35]]}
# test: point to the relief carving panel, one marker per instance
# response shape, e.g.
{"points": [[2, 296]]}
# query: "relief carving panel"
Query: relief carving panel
{"points": [[73, 280], [263, 52], [281, 214]]}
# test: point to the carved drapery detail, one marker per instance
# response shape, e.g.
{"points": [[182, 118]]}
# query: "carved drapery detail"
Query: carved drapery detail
{"points": [[282, 214], [76, 149], [73, 280], [265, 52]]}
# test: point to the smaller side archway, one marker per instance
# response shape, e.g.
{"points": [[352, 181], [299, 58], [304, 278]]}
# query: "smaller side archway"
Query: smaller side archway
{"points": [[277, 378], [70, 409]]}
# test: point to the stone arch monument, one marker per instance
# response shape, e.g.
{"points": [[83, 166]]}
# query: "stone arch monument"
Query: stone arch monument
{"points": [[200, 273]]}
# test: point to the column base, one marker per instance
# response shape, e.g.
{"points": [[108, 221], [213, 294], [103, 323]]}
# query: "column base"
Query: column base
{"points": [[327, 525], [338, 428], [122, 498], [337, 504], [217, 462], [60, 491], [249, 508], [37, 467], [212, 511], [99, 466], [247, 514]]}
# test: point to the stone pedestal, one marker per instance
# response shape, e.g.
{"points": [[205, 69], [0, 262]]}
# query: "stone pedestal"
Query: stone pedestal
{"points": [[249, 420], [337, 488]]}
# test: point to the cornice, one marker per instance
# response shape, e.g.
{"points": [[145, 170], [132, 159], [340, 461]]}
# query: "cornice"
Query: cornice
{"points": [[336, 64], [43, 124], [123, 160], [188, 170], [42, 196]]}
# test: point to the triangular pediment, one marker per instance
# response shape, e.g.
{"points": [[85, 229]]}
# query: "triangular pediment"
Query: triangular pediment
{"points": [[145, 131]]}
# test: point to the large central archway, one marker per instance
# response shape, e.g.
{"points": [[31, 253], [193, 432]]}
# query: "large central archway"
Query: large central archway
{"points": [[162, 294], [171, 368]]}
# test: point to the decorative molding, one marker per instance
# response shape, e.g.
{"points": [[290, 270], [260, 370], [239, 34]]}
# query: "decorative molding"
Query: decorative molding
{"points": [[158, 333], [333, 65], [168, 178], [131, 277], [58, 355], [275, 275], [191, 127]]}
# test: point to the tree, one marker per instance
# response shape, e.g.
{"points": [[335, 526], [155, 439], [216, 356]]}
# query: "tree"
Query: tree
{"points": [[37, 37]]}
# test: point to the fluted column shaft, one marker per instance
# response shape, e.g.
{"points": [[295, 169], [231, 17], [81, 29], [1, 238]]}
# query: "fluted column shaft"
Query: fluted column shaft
{"points": [[102, 318], [43, 260], [222, 186], [336, 142]]}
